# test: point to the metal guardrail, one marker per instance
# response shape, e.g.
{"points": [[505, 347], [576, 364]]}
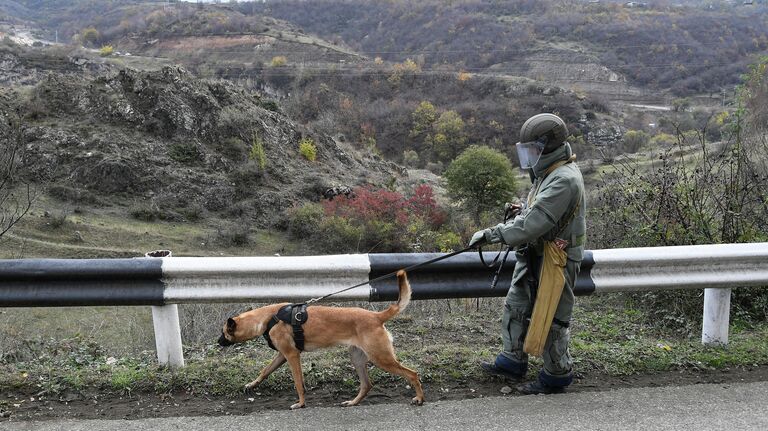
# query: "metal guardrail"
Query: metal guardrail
{"points": [[166, 281]]}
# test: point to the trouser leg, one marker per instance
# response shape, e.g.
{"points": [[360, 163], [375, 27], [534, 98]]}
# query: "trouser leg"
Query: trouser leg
{"points": [[514, 326], [558, 363]]}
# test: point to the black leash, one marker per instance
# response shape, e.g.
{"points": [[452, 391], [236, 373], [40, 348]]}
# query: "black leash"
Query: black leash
{"points": [[412, 267], [498, 271], [509, 214]]}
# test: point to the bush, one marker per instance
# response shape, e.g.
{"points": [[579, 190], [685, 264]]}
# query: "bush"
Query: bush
{"points": [[257, 153], [338, 235], [235, 234], [687, 197], [411, 158], [73, 195], [372, 219], [246, 178], [106, 51], [663, 140], [278, 61], [269, 105], [57, 220], [145, 212], [304, 221], [193, 212], [634, 140], [481, 179], [232, 148], [308, 149], [184, 152], [89, 36]]}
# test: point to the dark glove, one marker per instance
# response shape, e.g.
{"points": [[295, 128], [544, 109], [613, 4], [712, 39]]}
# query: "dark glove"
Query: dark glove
{"points": [[478, 239], [511, 210]]}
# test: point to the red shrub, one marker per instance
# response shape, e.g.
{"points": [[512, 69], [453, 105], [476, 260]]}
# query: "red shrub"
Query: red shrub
{"points": [[369, 204], [423, 205]]}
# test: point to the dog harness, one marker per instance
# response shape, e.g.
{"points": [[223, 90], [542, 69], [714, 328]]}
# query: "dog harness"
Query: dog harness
{"points": [[294, 315]]}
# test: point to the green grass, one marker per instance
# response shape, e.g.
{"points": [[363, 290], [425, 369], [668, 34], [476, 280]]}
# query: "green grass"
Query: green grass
{"points": [[112, 232]]}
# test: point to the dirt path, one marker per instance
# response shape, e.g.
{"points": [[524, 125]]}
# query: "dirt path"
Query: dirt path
{"points": [[21, 407]]}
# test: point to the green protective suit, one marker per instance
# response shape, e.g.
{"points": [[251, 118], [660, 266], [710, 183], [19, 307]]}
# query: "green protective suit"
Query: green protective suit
{"points": [[550, 214]]}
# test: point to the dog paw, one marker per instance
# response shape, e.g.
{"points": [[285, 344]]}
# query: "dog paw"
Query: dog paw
{"points": [[250, 387], [297, 406], [416, 401], [349, 403]]}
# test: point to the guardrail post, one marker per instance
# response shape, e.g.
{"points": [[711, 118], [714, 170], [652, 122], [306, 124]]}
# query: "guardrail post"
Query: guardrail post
{"points": [[165, 319], [168, 335], [717, 310]]}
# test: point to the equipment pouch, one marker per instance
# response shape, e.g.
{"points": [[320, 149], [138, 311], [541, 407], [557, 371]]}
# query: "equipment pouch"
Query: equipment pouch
{"points": [[550, 288]]}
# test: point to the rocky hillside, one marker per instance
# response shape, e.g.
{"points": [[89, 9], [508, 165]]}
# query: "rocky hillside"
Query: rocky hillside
{"points": [[168, 145]]}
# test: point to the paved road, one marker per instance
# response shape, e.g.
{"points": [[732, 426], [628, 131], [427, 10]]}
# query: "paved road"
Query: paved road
{"points": [[739, 406]]}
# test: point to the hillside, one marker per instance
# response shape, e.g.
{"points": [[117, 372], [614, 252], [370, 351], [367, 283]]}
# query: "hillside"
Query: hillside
{"points": [[687, 49], [358, 99], [165, 145], [136, 136]]}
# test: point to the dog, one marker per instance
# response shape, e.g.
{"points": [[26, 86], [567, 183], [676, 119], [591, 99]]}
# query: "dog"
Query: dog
{"points": [[362, 330]]}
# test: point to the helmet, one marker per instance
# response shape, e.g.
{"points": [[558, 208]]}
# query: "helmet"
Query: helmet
{"points": [[548, 129]]}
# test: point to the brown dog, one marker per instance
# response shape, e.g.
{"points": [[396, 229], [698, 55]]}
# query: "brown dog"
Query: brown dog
{"points": [[362, 330]]}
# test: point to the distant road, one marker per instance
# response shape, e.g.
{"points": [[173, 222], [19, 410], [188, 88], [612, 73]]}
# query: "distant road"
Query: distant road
{"points": [[740, 406], [652, 107]]}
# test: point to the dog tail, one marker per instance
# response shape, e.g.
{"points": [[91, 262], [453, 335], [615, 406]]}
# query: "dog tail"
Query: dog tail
{"points": [[402, 301]]}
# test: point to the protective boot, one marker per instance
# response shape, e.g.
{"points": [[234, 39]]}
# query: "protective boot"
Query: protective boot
{"points": [[546, 384], [505, 367], [536, 387]]}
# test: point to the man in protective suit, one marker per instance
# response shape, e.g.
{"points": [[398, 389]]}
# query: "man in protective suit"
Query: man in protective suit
{"points": [[554, 212]]}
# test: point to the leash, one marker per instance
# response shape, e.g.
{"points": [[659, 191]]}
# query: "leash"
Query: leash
{"points": [[509, 214], [385, 276]]}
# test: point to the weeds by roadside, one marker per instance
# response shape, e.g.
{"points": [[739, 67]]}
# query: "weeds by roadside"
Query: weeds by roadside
{"points": [[444, 347]]}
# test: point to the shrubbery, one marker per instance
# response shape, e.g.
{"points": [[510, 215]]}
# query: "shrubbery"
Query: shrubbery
{"points": [[106, 50], [308, 149], [373, 219], [257, 153], [634, 140]]}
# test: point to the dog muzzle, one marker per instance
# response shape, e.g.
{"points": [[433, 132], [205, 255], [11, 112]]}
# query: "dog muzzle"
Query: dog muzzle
{"points": [[224, 342]]}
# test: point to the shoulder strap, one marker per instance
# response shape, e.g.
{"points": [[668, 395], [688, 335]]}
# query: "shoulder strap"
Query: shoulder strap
{"points": [[294, 315], [561, 226], [548, 171], [272, 322]]}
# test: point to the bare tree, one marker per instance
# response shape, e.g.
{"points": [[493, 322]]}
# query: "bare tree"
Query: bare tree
{"points": [[16, 192]]}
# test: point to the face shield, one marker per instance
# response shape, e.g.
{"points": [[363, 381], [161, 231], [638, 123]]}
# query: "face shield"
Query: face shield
{"points": [[529, 153]]}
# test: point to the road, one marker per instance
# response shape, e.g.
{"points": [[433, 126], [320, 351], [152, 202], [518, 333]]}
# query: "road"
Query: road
{"points": [[739, 406]]}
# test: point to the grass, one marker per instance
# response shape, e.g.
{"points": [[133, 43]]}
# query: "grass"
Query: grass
{"points": [[110, 232], [444, 347]]}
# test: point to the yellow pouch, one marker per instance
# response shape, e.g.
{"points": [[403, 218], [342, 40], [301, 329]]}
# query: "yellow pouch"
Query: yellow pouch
{"points": [[548, 296]]}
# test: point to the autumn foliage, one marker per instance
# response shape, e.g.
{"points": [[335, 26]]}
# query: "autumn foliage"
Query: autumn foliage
{"points": [[374, 220], [369, 204]]}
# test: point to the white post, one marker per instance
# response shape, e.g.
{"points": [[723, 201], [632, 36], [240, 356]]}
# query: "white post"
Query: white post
{"points": [[168, 335], [717, 310]]}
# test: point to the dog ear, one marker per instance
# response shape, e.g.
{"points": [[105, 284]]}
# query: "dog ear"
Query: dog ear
{"points": [[231, 324]]}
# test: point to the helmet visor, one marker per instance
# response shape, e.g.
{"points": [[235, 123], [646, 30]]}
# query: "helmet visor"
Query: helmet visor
{"points": [[528, 153]]}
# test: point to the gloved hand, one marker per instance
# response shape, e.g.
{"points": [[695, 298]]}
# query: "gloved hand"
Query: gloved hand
{"points": [[511, 210], [478, 239]]}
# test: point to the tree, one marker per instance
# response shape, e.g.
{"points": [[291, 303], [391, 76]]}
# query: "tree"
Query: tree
{"points": [[754, 93], [89, 36], [16, 194], [449, 139], [424, 116], [481, 179]]}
